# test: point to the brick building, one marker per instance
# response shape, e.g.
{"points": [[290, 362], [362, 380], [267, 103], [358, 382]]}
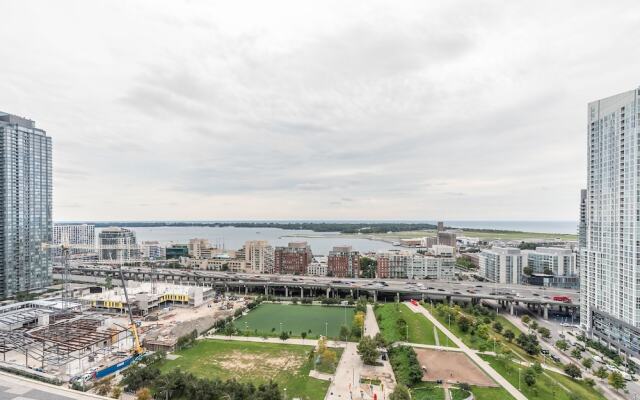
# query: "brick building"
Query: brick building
{"points": [[343, 262], [293, 259]]}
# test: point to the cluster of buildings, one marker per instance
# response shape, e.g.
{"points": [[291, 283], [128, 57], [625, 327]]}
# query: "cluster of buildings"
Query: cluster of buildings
{"points": [[544, 266], [606, 265]]}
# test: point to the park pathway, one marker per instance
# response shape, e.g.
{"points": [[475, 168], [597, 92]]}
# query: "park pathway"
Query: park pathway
{"points": [[370, 324], [470, 353]]}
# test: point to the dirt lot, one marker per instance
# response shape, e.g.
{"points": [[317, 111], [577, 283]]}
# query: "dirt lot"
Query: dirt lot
{"points": [[451, 366]]}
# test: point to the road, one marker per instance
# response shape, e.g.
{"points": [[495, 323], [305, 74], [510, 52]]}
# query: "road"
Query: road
{"points": [[460, 289], [470, 353], [14, 387]]}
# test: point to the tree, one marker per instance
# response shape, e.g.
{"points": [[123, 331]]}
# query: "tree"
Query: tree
{"points": [[576, 353], [587, 363], [509, 335], [616, 381], [368, 351], [380, 341], [464, 323], [529, 377], [108, 284], [284, 335], [537, 368], [573, 371], [601, 373], [527, 271], [533, 325], [358, 319], [497, 326], [562, 345], [328, 357], [344, 332], [303, 335], [483, 331], [401, 392], [143, 394], [525, 319], [544, 332]]}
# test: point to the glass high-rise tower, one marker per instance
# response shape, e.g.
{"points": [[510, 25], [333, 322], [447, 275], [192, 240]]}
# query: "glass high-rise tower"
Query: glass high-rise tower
{"points": [[610, 249], [25, 205]]}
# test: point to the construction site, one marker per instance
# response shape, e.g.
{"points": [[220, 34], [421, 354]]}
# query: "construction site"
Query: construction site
{"points": [[78, 333]]}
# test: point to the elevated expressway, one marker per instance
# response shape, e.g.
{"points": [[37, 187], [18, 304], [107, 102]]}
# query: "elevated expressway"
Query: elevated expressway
{"points": [[534, 297]]}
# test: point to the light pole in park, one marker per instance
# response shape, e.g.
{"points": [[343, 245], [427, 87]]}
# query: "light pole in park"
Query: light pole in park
{"points": [[280, 327]]}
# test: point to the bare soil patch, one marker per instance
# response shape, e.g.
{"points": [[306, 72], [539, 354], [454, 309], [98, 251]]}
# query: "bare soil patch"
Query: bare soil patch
{"points": [[451, 366]]}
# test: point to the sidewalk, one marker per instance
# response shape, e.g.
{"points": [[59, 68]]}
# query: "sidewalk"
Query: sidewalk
{"points": [[370, 324], [470, 353]]}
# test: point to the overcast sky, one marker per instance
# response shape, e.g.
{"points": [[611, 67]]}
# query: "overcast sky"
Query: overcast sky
{"points": [[205, 110]]}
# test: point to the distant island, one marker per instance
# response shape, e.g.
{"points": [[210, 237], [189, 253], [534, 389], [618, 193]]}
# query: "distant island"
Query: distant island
{"points": [[341, 227]]}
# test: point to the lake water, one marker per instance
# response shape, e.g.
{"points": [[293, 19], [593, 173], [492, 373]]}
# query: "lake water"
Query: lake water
{"points": [[233, 238], [321, 242]]}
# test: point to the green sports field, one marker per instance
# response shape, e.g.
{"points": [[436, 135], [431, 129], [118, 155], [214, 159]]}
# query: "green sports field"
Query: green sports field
{"points": [[295, 318]]}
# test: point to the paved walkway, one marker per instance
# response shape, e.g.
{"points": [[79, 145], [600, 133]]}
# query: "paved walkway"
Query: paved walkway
{"points": [[470, 353], [301, 342], [346, 384], [427, 346], [370, 324], [14, 387]]}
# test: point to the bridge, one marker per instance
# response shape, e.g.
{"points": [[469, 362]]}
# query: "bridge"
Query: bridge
{"points": [[535, 298]]}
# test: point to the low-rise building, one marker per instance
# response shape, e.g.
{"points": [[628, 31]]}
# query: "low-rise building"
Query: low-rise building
{"points": [[293, 259], [176, 251], [437, 264], [318, 266], [152, 250], [343, 262], [501, 265]]}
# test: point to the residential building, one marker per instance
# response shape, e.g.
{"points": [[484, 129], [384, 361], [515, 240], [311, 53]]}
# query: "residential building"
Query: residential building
{"points": [[197, 247], [550, 261], [407, 265], [610, 258], [501, 265], [318, 266], [293, 259], [393, 263], [447, 239], [429, 241], [80, 237], [343, 262], [432, 266], [152, 250], [440, 226], [25, 206], [117, 245], [220, 262], [259, 256]]}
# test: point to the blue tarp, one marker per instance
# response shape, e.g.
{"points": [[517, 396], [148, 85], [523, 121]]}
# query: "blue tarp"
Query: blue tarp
{"points": [[113, 368]]}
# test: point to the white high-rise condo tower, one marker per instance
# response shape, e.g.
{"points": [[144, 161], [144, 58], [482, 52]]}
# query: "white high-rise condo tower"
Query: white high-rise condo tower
{"points": [[610, 257]]}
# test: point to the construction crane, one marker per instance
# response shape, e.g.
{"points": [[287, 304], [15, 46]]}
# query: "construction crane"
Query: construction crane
{"points": [[65, 248]]}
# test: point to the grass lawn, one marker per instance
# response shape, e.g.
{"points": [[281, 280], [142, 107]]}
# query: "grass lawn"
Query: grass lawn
{"points": [[420, 328], [549, 385], [288, 365], [458, 394], [427, 391], [490, 393], [295, 318], [477, 343]]}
